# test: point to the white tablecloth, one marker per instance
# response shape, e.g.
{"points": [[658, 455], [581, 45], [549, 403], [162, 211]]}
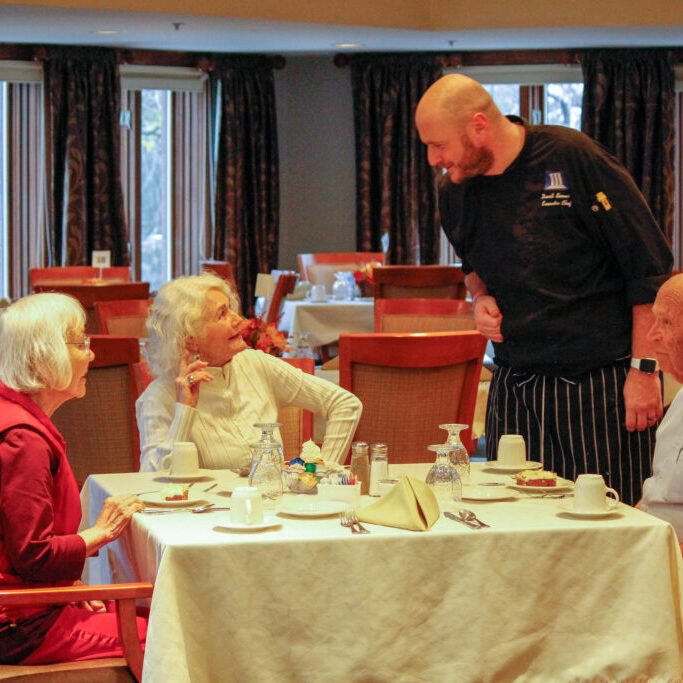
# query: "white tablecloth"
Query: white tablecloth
{"points": [[324, 322], [539, 596]]}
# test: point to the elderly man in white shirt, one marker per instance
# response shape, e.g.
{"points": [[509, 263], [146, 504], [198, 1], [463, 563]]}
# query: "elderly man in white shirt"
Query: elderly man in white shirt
{"points": [[663, 491], [212, 391]]}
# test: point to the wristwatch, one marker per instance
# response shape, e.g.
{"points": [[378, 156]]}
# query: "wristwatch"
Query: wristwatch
{"points": [[648, 365]]}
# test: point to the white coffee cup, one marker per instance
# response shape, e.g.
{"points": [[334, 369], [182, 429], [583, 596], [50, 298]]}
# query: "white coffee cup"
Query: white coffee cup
{"points": [[246, 506], [317, 293], [511, 450], [591, 494], [183, 459]]}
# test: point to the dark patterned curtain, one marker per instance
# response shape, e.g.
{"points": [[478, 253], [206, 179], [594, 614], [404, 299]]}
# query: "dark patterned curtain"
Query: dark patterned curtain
{"points": [[628, 106], [82, 95], [395, 190], [246, 171]]}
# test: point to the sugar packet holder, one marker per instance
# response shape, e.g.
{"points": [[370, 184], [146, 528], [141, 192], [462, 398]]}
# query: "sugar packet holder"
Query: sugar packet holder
{"points": [[345, 493]]}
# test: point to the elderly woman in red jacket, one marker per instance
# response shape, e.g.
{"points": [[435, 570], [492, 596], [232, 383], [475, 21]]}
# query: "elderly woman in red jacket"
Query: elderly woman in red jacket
{"points": [[44, 359]]}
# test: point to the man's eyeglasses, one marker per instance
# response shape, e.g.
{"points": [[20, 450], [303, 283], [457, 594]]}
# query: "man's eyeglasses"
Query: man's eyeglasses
{"points": [[83, 345]]}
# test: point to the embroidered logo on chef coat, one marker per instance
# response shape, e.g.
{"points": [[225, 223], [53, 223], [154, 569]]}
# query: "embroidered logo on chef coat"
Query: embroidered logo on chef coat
{"points": [[556, 190]]}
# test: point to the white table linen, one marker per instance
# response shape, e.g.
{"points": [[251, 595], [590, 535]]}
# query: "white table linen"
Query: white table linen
{"points": [[324, 322], [539, 596]]}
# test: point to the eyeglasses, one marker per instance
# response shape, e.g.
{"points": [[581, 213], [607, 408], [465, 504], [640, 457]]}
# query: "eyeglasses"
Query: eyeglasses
{"points": [[83, 345]]}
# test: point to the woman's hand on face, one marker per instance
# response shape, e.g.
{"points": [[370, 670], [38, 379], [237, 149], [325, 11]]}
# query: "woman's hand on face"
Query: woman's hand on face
{"points": [[116, 514], [191, 374]]}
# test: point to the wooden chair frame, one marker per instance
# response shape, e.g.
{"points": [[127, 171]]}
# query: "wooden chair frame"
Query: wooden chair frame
{"points": [[417, 281], [359, 257], [126, 308], [76, 274], [285, 285], [422, 350], [124, 594]]}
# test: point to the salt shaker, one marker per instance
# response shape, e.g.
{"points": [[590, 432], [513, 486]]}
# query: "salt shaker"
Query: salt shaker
{"points": [[379, 466], [360, 465]]}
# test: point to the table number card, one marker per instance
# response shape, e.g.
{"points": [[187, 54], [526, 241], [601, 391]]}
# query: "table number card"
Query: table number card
{"points": [[101, 259]]}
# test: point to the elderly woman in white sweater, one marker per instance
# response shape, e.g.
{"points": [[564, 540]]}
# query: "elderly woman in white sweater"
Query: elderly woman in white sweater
{"points": [[212, 390]]}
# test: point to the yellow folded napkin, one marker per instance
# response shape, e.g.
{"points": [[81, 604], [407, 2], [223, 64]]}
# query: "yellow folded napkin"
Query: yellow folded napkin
{"points": [[411, 504]]}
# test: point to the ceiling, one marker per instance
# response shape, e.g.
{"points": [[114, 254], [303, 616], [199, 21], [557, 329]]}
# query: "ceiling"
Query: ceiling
{"points": [[27, 24]]}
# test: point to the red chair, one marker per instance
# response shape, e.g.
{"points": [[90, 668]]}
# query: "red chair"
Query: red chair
{"points": [[423, 315], [221, 268], [320, 268], [409, 384], [285, 285], [127, 317], [100, 428], [419, 282], [72, 275], [110, 669]]}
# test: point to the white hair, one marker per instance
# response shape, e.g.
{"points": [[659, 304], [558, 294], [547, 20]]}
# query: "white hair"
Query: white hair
{"points": [[33, 335], [176, 315]]}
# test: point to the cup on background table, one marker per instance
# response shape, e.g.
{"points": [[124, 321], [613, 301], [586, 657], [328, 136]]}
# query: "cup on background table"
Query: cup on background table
{"points": [[592, 495], [183, 459], [246, 506], [318, 294], [511, 450]]}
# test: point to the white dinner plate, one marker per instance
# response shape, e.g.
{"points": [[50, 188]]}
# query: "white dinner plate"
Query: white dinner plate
{"points": [[499, 467], [194, 476], [268, 523], [567, 508], [475, 492], [305, 507], [562, 484], [155, 499]]}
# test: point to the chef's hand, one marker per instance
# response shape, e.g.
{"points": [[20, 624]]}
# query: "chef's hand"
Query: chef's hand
{"points": [[488, 317], [643, 400]]}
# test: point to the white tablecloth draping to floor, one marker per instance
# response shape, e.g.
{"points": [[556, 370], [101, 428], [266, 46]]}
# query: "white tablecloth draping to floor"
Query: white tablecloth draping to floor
{"points": [[324, 322], [539, 596]]}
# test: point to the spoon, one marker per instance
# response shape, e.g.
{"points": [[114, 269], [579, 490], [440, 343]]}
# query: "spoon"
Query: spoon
{"points": [[469, 516]]}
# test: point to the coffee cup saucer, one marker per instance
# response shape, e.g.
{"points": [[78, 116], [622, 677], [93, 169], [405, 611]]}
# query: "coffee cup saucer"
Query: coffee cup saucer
{"points": [[511, 469], [199, 475], [567, 508]]}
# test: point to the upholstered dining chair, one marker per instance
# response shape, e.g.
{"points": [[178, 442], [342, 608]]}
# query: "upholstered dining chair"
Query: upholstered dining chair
{"points": [[71, 275], [297, 423], [100, 429], [320, 268], [110, 670], [127, 317], [424, 282], [409, 384], [423, 315], [221, 268]]}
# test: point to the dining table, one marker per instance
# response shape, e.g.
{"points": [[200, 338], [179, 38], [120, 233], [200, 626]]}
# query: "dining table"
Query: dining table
{"points": [[324, 321], [541, 594]]}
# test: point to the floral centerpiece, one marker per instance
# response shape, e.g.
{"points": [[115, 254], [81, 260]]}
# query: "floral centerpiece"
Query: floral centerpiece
{"points": [[363, 278], [264, 336]]}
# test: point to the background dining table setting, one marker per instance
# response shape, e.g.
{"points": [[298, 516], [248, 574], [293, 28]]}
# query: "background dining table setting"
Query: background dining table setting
{"points": [[542, 590]]}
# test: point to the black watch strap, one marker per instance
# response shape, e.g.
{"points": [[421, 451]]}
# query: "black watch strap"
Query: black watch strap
{"points": [[648, 365]]}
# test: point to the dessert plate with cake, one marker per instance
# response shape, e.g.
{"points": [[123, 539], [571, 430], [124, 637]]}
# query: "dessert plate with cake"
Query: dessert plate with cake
{"points": [[496, 465], [540, 481], [172, 496]]}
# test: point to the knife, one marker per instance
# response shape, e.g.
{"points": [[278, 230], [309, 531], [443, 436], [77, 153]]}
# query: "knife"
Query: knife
{"points": [[455, 518]]}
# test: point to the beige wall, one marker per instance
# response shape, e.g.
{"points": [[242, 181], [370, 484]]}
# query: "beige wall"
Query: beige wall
{"points": [[317, 158], [435, 15]]}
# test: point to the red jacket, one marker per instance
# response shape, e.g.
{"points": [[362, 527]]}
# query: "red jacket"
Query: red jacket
{"points": [[40, 508]]}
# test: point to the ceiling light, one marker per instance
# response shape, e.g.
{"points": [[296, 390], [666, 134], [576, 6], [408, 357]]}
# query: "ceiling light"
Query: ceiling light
{"points": [[344, 45], [106, 31]]}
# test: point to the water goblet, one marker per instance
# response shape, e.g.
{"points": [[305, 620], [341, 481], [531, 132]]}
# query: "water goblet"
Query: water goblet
{"points": [[459, 455], [443, 477], [266, 472], [267, 429]]}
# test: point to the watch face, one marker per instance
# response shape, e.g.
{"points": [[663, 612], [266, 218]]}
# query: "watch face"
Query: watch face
{"points": [[648, 365]]}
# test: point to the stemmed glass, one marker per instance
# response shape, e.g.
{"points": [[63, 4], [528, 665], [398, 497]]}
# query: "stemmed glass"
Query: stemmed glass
{"points": [[266, 472], [443, 477], [267, 429], [459, 455]]}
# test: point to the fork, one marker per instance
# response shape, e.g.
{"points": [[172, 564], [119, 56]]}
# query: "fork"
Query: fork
{"points": [[356, 521], [345, 520]]}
